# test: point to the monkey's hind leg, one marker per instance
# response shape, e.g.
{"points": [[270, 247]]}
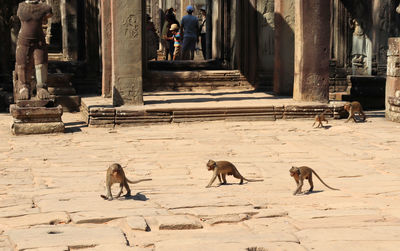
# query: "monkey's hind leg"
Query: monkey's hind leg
{"points": [[363, 115], [311, 184], [128, 190], [224, 179], [120, 190], [237, 175]]}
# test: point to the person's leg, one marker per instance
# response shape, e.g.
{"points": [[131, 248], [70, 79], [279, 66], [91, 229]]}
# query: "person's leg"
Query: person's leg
{"points": [[186, 48], [204, 45], [192, 47]]}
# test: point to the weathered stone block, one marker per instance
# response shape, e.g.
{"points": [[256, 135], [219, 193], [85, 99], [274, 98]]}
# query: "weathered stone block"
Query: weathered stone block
{"points": [[394, 46], [393, 66], [177, 222], [392, 85], [137, 223], [37, 128]]}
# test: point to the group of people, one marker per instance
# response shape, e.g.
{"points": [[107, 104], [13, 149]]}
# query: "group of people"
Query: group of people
{"points": [[180, 39]]}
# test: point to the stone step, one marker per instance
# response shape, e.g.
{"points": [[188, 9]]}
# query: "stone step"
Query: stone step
{"points": [[107, 116], [164, 65], [62, 90], [59, 79], [70, 103], [195, 80]]}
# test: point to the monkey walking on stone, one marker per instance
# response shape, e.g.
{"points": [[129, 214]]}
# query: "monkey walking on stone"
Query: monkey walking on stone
{"points": [[305, 172], [321, 117], [223, 168], [115, 174], [353, 108]]}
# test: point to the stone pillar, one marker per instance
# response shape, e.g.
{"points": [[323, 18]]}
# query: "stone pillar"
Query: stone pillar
{"points": [[312, 34], [69, 22], [92, 25], [106, 47], [127, 48], [284, 47], [393, 71]]}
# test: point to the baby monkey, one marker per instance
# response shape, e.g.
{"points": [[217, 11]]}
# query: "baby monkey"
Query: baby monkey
{"points": [[353, 108], [304, 172], [223, 168], [115, 174], [321, 117]]}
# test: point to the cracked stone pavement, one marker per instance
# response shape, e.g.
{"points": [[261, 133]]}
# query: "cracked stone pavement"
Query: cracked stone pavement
{"points": [[50, 187]]}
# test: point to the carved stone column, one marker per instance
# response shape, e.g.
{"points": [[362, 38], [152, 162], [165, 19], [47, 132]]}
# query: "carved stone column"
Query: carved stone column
{"points": [[69, 22], [127, 48], [106, 48], [312, 34], [284, 47], [393, 79]]}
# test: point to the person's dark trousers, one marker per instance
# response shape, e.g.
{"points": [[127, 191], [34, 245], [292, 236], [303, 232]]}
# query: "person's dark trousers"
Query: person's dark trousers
{"points": [[204, 45], [188, 47]]}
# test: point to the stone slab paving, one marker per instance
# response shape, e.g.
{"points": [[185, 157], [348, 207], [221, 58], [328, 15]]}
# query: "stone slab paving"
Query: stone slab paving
{"points": [[50, 187]]}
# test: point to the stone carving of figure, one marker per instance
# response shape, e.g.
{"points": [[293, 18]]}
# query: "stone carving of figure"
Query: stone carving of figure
{"points": [[32, 48], [358, 50]]}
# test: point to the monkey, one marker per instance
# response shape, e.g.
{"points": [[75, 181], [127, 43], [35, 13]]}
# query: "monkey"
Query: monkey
{"points": [[321, 117], [305, 172], [353, 108], [223, 168], [115, 174]]}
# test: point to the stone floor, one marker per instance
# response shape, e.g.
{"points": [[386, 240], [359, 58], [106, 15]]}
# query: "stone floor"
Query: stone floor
{"points": [[50, 187]]}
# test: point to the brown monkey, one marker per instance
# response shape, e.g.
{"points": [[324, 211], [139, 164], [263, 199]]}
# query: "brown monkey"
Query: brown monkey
{"points": [[304, 172], [353, 108], [115, 174], [223, 168], [321, 117]]}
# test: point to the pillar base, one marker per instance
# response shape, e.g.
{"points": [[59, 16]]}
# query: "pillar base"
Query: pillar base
{"points": [[36, 117]]}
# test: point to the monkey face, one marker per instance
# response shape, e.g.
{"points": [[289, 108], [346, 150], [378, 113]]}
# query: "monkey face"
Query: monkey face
{"points": [[210, 165], [293, 171], [115, 168], [347, 107]]}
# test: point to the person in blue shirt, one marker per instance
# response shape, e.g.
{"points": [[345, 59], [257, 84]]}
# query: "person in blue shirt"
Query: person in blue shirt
{"points": [[190, 31]]}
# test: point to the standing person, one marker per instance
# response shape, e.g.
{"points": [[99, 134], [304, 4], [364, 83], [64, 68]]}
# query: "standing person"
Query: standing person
{"points": [[167, 33], [177, 41], [190, 30], [152, 39], [203, 31]]}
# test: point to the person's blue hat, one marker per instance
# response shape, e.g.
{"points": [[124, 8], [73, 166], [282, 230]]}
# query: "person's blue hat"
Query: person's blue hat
{"points": [[189, 8]]}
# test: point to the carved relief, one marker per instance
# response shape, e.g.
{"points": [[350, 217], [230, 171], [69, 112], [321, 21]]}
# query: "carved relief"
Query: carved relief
{"points": [[108, 30], [267, 27], [131, 27], [314, 80]]}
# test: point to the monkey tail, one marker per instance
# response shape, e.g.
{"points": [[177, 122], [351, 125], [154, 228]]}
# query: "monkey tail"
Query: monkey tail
{"points": [[253, 180], [137, 181], [323, 181]]}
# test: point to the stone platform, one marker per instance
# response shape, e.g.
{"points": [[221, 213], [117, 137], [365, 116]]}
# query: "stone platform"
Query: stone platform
{"points": [[175, 107], [36, 117]]}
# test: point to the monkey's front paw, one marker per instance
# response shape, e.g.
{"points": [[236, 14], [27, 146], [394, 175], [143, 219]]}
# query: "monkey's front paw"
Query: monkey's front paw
{"points": [[42, 94]]}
